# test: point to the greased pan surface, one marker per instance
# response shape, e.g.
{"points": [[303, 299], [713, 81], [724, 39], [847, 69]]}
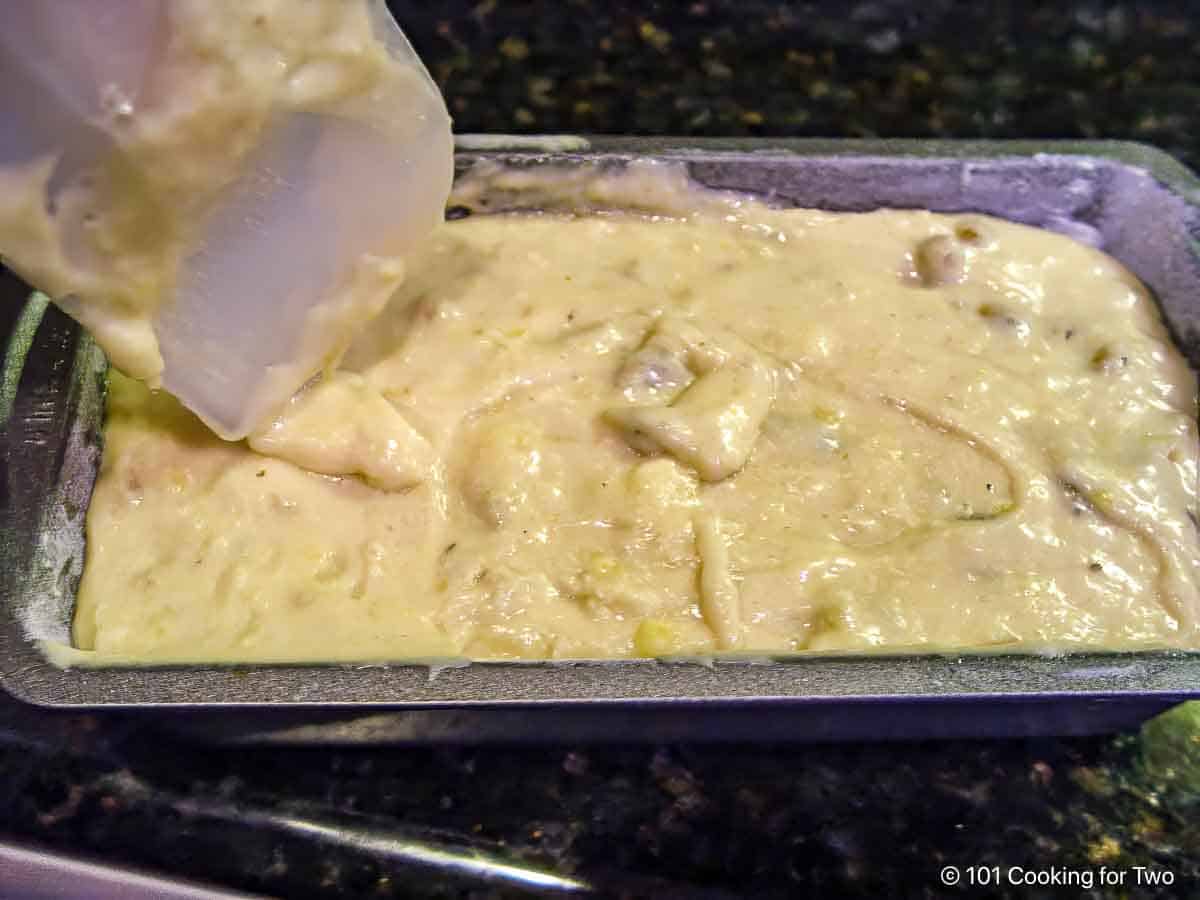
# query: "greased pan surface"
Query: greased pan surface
{"points": [[1134, 202]]}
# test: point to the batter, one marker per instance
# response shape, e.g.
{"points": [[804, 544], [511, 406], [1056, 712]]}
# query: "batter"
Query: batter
{"points": [[117, 242], [700, 426]]}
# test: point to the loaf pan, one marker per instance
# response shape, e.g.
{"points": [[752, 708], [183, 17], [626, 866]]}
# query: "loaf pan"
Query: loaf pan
{"points": [[1134, 202]]}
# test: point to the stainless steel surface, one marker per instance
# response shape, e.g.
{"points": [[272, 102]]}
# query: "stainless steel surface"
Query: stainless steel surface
{"points": [[412, 857], [37, 873], [1135, 202]]}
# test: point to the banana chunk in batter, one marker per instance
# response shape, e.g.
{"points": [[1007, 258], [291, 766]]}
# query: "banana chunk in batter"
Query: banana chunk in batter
{"points": [[718, 396]]}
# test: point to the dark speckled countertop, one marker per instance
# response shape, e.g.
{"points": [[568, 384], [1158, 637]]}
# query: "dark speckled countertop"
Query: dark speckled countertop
{"points": [[680, 820], [736, 820], [882, 68]]}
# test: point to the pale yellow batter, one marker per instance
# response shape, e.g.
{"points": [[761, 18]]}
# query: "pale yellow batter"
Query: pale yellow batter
{"points": [[739, 429], [110, 243]]}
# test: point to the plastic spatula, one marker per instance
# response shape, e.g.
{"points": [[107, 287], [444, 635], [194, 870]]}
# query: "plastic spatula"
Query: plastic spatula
{"points": [[317, 192]]}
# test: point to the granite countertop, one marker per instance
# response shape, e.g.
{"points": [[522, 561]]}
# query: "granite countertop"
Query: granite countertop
{"points": [[882, 68], [773, 820], [864, 820]]}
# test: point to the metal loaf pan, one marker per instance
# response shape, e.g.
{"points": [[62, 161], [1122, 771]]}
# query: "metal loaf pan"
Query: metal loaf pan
{"points": [[1133, 201]]}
